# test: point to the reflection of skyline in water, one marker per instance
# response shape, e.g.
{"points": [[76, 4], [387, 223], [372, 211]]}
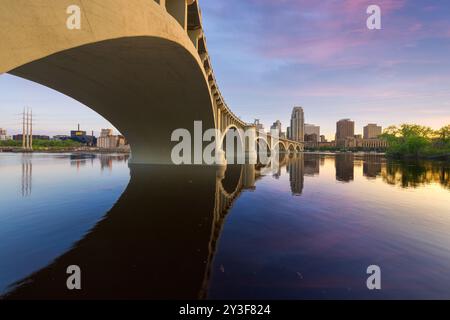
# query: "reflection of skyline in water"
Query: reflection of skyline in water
{"points": [[160, 238]]}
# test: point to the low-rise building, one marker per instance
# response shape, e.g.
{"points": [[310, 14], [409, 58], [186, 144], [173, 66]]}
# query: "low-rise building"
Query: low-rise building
{"points": [[358, 142], [19, 137], [109, 141], [327, 144], [61, 137], [311, 140], [3, 135]]}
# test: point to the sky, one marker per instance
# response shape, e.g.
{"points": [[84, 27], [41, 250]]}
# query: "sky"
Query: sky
{"points": [[269, 56]]}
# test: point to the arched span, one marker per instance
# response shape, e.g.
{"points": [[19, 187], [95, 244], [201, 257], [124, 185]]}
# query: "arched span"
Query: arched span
{"points": [[262, 139], [239, 133], [282, 146], [131, 61]]}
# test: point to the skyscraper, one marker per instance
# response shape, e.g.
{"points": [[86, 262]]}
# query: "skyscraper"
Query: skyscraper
{"points": [[276, 126], [297, 124], [259, 126], [372, 131], [345, 128]]}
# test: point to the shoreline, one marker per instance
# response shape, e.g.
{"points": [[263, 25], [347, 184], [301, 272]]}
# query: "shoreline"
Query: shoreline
{"points": [[69, 150]]}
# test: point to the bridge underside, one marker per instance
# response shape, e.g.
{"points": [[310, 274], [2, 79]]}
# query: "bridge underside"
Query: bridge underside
{"points": [[145, 86]]}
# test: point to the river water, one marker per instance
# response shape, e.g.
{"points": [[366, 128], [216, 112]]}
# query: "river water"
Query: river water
{"points": [[308, 229]]}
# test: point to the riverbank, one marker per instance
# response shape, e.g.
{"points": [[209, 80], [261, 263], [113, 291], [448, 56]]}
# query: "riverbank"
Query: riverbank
{"points": [[438, 157], [406, 157], [344, 152], [66, 150]]}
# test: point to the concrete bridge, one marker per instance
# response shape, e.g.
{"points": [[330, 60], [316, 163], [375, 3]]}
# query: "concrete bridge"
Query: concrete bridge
{"points": [[141, 64]]}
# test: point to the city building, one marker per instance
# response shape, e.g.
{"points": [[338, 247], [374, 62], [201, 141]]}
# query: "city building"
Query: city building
{"points": [[311, 140], [373, 144], [345, 129], [288, 132], [298, 124], [311, 129], [327, 144], [19, 137], [61, 137], [276, 127], [259, 126], [372, 131], [358, 142], [109, 141], [75, 134], [3, 135], [81, 137], [323, 138]]}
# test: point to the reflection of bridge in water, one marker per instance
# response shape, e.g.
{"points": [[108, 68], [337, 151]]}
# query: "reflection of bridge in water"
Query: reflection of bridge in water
{"points": [[160, 238]]}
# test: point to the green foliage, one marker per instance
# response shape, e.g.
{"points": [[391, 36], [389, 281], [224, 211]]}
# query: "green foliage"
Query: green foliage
{"points": [[415, 141], [43, 144], [10, 143]]}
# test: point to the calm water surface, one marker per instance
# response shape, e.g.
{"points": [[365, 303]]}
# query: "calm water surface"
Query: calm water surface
{"points": [[307, 230]]}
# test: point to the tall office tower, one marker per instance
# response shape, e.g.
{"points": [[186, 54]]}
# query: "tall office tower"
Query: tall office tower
{"points": [[298, 124], [345, 128], [372, 131], [276, 126], [311, 129], [288, 132]]}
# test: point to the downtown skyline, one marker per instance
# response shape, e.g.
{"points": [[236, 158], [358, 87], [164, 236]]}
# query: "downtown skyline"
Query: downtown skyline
{"points": [[325, 61]]}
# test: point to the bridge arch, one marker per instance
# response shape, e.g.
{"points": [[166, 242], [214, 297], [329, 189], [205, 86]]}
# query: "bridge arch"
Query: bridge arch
{"points": [[239, 133], [135, 63], [282, 146]]}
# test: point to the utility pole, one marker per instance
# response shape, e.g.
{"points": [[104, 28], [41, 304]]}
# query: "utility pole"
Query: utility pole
{"points": [[27, 131], [23, 129], [31, 130]]}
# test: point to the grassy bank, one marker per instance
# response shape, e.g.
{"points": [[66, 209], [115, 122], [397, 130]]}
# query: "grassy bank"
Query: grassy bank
{"points": [[44, 144]]}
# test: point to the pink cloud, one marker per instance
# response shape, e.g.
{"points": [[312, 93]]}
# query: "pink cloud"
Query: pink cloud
{"points": [[334, 33]]}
